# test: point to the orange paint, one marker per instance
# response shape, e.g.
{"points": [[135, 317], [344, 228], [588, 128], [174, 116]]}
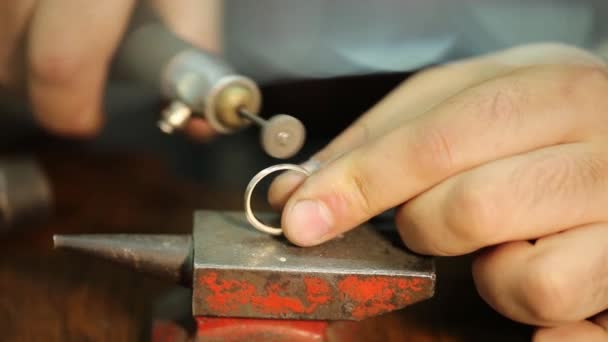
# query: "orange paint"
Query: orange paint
{"points": [[366, 295], [317, 290], [227, 296], [374, 295]]}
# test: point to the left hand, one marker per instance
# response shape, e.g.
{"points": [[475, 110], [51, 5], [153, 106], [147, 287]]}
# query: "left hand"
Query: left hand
{"points": [[56, 54], [490, 152]]}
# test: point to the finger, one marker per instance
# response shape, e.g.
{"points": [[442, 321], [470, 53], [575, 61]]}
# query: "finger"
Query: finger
{"points": [[412, 98], [562, 278], [69, 49], [14, 18], [200, 23], [587, 331], [197, 21], [496, 119], [200, 130], [285, 184], [425, 90], [518, 198]]}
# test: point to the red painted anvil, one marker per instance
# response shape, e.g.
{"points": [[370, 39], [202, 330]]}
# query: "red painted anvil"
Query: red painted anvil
{"points": [[246, 284]]}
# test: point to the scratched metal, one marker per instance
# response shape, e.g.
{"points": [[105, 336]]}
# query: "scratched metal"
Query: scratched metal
{"points": [[240, 272], [167, 256]]}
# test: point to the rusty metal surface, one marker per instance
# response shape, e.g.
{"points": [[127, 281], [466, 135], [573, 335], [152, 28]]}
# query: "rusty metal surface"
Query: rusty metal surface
{"points": [[240, 272], [163, 255]]}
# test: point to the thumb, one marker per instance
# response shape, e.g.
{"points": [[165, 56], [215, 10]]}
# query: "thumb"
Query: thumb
{"points": [[334, 199]]}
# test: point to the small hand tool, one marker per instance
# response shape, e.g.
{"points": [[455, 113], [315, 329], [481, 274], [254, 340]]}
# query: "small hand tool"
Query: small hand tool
{"points": [[200, 84]]}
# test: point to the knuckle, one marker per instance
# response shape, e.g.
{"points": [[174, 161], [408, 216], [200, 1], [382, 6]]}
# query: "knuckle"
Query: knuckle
{"points": [[585, 85], [549, 295], [556, 174], [420, 235], [360, 181], [433, 146], [595, 169], [498, 104], [471, 215]]}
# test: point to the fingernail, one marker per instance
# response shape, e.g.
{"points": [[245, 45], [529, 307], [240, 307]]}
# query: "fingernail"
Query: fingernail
{"points": [[311, 165], [307, 222]]}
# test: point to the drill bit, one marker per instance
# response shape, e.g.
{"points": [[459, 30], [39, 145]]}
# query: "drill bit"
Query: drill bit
{"points": [[253, 118]]}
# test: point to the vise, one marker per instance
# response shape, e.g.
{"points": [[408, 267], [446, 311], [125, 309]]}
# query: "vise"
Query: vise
{"points": [[247, 285]]}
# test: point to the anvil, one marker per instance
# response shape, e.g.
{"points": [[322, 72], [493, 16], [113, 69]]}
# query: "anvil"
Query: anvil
{"points": [[236, 271]]}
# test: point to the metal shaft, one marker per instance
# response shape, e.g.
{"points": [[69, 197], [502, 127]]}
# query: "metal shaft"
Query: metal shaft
{"points": [[253, 118], [165, 256], [197, 82]]}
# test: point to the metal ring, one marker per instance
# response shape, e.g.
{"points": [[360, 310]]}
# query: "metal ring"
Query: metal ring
{"points": [[249, 192]]}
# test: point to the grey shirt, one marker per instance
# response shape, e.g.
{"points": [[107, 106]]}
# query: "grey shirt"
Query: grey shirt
{"points": [[283, 39]]}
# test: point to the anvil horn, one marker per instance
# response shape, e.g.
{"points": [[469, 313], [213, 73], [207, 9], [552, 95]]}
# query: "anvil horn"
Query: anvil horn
{"points": [[166, 256]]}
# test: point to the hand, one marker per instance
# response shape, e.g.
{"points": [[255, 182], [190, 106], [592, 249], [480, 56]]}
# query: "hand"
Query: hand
{"points": [[57, 52], [506, 153]]}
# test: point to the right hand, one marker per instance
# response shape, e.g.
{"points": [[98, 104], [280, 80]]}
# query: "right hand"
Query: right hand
{"points": [[504, 154], [56, 54]]}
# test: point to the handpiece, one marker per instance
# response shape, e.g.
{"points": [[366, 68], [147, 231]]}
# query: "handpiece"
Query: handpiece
{"points": [[198, 83]]}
